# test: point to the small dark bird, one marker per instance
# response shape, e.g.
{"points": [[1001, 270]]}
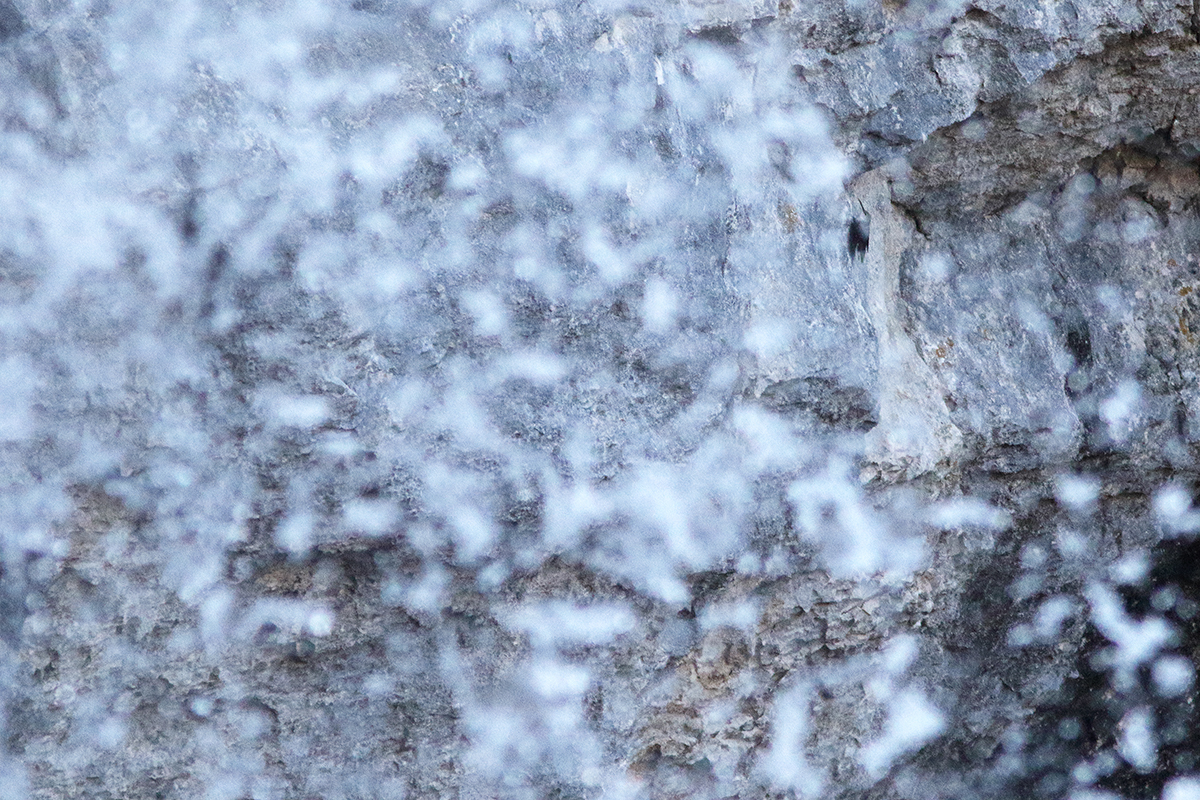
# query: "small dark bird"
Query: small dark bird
{"points": [[859, 236]]}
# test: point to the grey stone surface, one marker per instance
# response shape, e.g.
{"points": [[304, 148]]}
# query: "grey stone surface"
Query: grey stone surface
{"points": [[711, 507]]}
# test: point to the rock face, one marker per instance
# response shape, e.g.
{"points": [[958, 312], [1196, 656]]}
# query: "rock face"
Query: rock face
{"points": [[562, 440]]}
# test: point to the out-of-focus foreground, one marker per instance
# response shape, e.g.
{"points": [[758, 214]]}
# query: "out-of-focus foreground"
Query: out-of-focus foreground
{"points": [[590, 400]]}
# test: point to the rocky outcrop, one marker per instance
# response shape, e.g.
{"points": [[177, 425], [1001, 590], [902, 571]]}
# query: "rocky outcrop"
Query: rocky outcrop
{"points": [[565, 442]]}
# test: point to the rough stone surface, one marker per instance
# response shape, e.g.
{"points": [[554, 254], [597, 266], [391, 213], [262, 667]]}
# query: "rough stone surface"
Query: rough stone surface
{"points": [[1026, 315]]}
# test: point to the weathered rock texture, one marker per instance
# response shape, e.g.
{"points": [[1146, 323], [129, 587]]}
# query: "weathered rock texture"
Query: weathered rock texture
{"points": [[1021, 331]]}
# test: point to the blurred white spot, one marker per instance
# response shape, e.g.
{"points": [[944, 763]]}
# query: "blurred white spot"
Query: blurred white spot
{"points": [[301, 411], [392, 592], [1138, 228], [214, 615], [767, 436], [657, 493], [371, 517], [936, 267], [1136, 641], [1027, 212], [659, 306], [768, 338], [492, 577], [974, 130], [1119, 410], [1070, 729], [571, 509], [202, 706], [1137, 744], [370, 86], [548, 23], [1032, 317], [1164, 599], [294, 534], [378, 685], [427, 594], [1184, 788], [491, 318], [541, 368], [340, 445], [831, 511], [1073, 213], [749, 564], [561, 623], [1085, 773], [1130, 569], [320, 622], [1140, 220], [473, 532], [110, 733], [1020, 635], [730, 615], [1173, 507], [1070, 543], [1110, 297], [1172, 501], [785, 762], [1077, 492], [912, 721], [900, 654], [1173, 675], [555, 680], [665, 586], [16, 389], [466, 176], [1051, 615], [613, 265], [1033, 556], [388, 149], [968, 512]]}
